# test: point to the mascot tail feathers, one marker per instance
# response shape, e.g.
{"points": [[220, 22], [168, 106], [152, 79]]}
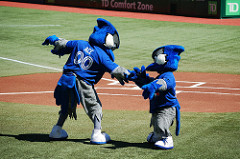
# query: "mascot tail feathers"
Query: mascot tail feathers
{"points": [[66, 95]]}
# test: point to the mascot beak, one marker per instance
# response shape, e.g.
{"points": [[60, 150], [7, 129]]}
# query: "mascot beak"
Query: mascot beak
{"points": [[159, 56], [112, 41], [160, 59]]}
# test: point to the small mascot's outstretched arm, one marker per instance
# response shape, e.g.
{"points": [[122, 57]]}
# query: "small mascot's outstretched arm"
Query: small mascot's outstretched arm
{"points": [[120, 74], [150, 89], [59, 44], [139, 77]]}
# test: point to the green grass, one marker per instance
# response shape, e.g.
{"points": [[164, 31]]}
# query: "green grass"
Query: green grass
{"points": [[209, 48], [25, 128]]}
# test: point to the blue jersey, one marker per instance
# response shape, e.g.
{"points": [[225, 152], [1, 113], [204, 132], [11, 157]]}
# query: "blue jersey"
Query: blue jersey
{"points": [[165, 98], [88, 62]]}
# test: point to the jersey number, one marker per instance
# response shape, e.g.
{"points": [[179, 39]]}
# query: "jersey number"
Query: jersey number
{"points": [[84, 62]]}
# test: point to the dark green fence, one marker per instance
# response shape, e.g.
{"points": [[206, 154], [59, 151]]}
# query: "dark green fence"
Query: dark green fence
{"points": [[196, 8]]}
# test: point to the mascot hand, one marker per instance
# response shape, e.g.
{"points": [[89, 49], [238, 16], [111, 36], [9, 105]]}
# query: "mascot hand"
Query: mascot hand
{"points": [[120, 73], [140, 77], [58, 52], [59, 46], [150, 89], [132, 76], [136, 74], [143, 72], [50, 40]]}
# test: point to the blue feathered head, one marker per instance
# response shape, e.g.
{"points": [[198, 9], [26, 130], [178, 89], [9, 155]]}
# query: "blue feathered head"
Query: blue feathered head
{"points": [[166, 58], [105, 35]]}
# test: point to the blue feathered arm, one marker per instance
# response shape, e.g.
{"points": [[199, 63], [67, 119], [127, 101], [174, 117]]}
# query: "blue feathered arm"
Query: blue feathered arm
{"points": [[139, 77], [50, 40], [150, 89], [58, 47]]}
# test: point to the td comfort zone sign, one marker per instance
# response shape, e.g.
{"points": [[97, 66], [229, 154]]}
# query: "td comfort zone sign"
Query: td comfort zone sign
{"points": [[127, 5]]}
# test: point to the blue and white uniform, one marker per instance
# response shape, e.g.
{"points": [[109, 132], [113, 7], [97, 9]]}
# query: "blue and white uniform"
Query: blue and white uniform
{"points": [[88, 62]]}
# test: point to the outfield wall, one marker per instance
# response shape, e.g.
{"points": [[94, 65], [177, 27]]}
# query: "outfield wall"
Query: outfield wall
{"points": [[195, 8], [28, 1]]}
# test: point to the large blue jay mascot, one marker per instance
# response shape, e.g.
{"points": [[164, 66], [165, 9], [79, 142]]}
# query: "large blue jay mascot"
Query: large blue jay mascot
{"points": [[161, 92], [87, 62]]}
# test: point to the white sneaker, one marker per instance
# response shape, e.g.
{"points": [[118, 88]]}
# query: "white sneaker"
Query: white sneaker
{"points": [[165, 143], [153, 137], [58, 133], [98, 137]]}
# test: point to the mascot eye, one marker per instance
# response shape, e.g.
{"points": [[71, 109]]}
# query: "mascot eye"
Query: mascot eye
{"points": [[116, 40], [112, 41], [160, 59]]}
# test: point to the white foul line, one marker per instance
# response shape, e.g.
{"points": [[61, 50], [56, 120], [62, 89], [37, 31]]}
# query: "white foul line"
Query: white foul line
{"points": [[30, 25], [20, 93], [35, 65], [216, 93], [203, 87], [195, 84]]}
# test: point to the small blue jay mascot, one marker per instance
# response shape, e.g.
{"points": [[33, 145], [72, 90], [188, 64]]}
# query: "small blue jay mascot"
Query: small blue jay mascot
{"points": [[87, 62], [161, 92]]}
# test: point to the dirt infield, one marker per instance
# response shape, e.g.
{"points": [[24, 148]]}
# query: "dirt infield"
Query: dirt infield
{"points": [[149, 16], [197, 92]]}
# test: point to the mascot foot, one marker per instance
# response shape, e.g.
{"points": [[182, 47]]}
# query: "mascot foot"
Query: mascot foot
{"points": [[58, 134], [165, 143], [153, 137], [98, 137]]}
